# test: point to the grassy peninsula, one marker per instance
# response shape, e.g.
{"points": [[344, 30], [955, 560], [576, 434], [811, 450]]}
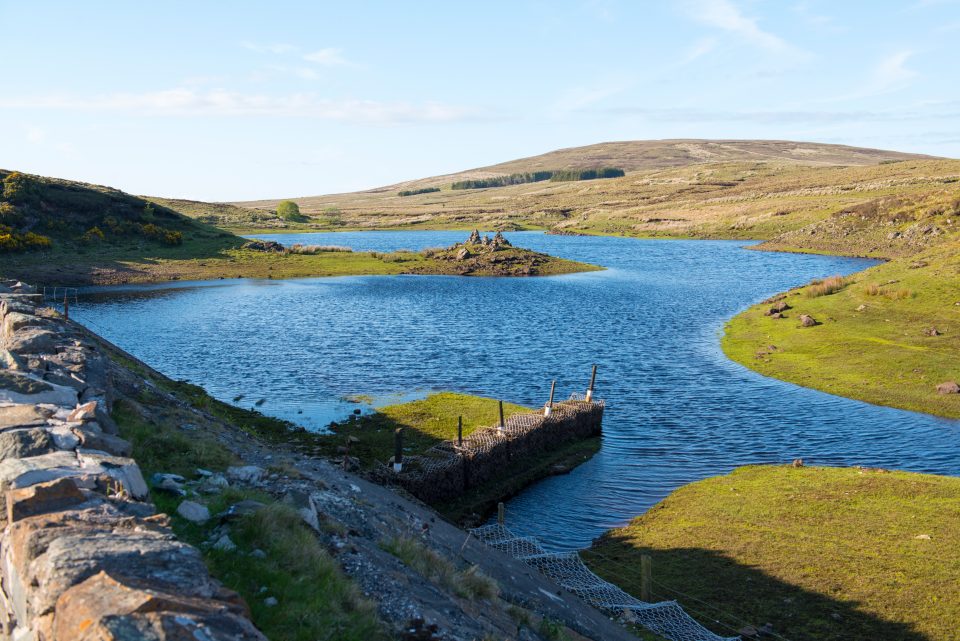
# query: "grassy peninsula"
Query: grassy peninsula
{"points": [[60, 232], [833, 554]]}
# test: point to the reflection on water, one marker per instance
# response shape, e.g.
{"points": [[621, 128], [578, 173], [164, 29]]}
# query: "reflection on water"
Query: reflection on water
{"points": [[678, 410]]}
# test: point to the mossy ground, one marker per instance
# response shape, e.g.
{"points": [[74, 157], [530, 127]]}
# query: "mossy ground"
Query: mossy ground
{"points": [[314, 596], [832, 554], [884, 353]]}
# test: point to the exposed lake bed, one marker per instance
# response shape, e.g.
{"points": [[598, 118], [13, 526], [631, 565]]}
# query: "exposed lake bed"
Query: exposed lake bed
{"points": [[678, 410]]}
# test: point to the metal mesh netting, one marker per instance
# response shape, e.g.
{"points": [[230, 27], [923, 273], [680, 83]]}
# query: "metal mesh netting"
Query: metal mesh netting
{"points": [[666, 618]]}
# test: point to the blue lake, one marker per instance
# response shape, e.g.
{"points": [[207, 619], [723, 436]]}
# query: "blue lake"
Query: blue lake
{"points": [[677, 409]]}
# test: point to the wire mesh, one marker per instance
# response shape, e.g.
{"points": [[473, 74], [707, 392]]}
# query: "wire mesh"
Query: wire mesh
{"points": [[666, 618]]}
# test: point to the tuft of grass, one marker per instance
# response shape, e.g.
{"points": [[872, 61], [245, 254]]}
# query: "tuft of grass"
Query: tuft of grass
{"points": [[833, 554], [825, 287], [470, 583], [552, 629], [310, 250]]}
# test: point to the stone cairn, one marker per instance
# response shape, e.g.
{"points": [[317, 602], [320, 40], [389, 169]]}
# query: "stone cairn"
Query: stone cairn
{"points": [[83, 555], [477, 244]]}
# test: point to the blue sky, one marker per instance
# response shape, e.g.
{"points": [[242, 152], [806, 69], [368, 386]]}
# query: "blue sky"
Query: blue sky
{"points": [[242, 100]]}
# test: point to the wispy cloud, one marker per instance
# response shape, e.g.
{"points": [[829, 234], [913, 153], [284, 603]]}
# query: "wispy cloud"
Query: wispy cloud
{"points": [[184, 101], [725, 15], [699, 49], [277, 48], [328, 57], [787, 117], [892, 73]]}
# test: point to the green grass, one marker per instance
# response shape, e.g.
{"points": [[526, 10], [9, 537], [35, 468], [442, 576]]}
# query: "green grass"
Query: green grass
{"points": [[872, 342], [316, 600], [470, 583], [426, 422], [825, 554]]}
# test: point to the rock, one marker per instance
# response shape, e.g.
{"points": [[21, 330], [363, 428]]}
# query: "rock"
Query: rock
{"points": [[102, 608], [42, 498], [21, 443], [203, 472], [264, 246], [797, 462], [776, 316], [172, 483], [92, 438], [63, 437], [123, 470], [18, 320], [861, 307], [32, 340], [932, 331], [948, 387], [23, 415], [225, 544], [214, 484], [193, 512], [303, 503], [923, 537], [499, 241], [463, 254], [17, 388], [84, 412], [807, 321], [9, 360], [245, 473], [258, 554], [474, 238], [270, 601]]}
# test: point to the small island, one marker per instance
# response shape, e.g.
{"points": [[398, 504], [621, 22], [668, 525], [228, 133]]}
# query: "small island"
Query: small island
{"points": [[62, 232]]}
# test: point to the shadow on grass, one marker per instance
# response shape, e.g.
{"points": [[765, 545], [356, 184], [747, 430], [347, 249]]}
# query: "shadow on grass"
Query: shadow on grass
{"points": [[727, 596]]}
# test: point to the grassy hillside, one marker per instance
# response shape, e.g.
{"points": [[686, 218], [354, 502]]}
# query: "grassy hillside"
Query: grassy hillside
{"points": [[58, 232], [825, 554], [888, 335], [660, 174]]}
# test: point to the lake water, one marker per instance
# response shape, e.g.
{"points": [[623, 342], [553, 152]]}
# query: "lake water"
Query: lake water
{"points": [[677, 409]]}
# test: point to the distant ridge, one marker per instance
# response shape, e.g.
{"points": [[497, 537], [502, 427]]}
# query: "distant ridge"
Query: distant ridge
{"points": [[638, 155]]}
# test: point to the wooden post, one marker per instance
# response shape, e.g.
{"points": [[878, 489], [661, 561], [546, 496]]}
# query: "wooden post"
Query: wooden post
{"points": [[593, 380], [548, 410], [398, 450], [502, 423], [459, 430], [66, 307], [500, 514], [646, 575]]}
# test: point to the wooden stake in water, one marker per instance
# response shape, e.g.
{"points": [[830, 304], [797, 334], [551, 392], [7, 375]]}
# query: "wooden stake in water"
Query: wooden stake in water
{"points": [[646, 576], [593, 380], [501, 514], [459, 430], [548, 410], [502, 423], [398, 450], [66, 307]]}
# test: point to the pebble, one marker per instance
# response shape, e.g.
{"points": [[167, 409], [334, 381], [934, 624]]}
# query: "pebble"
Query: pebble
{"points": [[270, 601]]}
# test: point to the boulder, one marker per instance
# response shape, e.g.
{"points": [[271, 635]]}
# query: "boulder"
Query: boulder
{"points": [[64, 437], [124, 471], [463, 254], [193, 512], [245, 473], [302, 502], [32, 340], [22, 415], [225, 544], [23, 388], [101, 608], [42, 498], [28, 442], [948, 387], [807, 321]]}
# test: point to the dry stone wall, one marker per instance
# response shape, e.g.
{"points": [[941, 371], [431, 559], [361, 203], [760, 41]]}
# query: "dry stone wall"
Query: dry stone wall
{"points": [[83, 555]]}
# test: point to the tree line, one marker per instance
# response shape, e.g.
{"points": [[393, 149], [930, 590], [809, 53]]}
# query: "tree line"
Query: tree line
{"points": [[414, 192], [560, 175]]}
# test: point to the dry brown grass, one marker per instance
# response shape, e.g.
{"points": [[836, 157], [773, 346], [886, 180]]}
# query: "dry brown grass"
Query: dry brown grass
{"points": [[825, 287]]}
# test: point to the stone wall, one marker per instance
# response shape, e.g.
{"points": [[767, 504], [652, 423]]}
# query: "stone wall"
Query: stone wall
{"points": [[83, 554], [449, 469]]}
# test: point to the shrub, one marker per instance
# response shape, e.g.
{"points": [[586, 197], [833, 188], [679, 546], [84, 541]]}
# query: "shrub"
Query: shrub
{"points": [[13, 241], [19, 187], [289, 210], [173, 238], [825, 287], [92, 235], [414, 192]]}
